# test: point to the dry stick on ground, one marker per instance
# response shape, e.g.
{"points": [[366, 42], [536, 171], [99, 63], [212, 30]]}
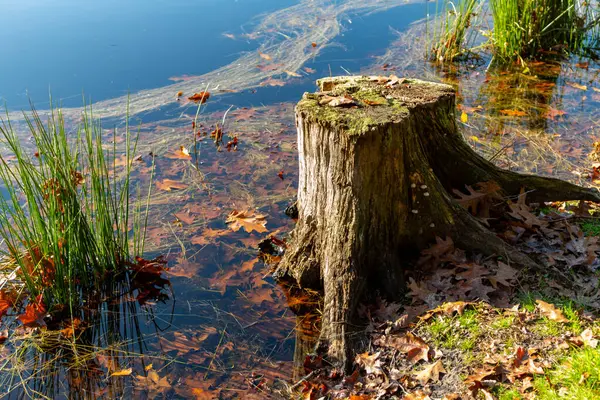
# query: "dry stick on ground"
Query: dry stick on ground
{"points": [[378, 159]]}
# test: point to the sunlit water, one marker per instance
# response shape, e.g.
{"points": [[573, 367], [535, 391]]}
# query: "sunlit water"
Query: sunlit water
{"points": [[226, 326]]}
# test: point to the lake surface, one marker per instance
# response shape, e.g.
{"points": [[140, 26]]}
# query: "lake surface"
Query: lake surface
{"points": [[220, 327]]}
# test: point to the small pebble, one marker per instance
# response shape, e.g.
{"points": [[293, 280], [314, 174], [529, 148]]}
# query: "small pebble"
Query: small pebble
{"points": [[426, 194], [415, 211]]}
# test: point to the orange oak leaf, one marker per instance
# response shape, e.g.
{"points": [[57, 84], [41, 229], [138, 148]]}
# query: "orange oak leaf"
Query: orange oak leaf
{"points": [[249, 221], [200, 97], [34, 314]]}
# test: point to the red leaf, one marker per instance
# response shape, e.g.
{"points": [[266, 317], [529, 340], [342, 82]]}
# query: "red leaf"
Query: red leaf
{"points": [[34, 314]]}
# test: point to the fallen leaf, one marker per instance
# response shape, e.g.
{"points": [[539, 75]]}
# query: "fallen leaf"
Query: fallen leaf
{"points": [[265, 56], [370, 362], [181, 154], [309, 70], [123, 372], [415, 348], [431, 373], [587, 336], [513, 113], [201, 97], [272, 82], [313, 44], [337, 101], [244, 219], [464, 118], [168, 184], [577, 86], [551, 312], [292, 73], [34, 314], [553, 113]]}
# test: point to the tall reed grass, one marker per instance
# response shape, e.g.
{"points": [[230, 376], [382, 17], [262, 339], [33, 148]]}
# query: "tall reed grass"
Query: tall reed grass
{"points": [[451, 33], [65, 207], [524, 27]]}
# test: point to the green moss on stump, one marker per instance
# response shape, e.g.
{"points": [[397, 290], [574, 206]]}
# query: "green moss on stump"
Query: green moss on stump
{"points": [[377, 104]]}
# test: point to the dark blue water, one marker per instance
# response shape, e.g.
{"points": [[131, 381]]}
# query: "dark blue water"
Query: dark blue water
{"points": [[107, 48]]}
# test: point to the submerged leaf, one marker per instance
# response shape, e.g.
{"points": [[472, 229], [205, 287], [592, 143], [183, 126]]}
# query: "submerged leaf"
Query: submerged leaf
{"points": [[168, 184], [244, 219]]}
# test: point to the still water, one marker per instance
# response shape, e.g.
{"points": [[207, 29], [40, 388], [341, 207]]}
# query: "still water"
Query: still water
{"points": [[216, 325]]}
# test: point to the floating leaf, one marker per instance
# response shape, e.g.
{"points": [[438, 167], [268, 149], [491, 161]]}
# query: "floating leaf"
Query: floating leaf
{"points": [[292, 73], [123, 372], [577, 86], [181, 154], [244, 219], [265, 56], [201, 97], [34, 314]]}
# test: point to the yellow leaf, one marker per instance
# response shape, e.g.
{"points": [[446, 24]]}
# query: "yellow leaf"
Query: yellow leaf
{"points": [[474, 138], [577, 86], [464, 117], [148, 367], [123, 372]]}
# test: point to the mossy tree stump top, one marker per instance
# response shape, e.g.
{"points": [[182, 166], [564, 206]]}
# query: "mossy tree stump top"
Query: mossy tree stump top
{"points": [[376, 101]]}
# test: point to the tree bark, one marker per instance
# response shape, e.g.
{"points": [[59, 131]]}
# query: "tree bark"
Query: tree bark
{"points": [[378, 160]]}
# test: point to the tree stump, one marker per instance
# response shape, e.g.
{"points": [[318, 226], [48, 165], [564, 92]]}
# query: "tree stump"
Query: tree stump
{"points": [[378, 158]]}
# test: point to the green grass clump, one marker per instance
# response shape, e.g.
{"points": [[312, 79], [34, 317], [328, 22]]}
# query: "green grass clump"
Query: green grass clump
{"points": [[459, 332], [65, 216], [577, 377], [452, 35], [591, 227], [524, 27]]}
